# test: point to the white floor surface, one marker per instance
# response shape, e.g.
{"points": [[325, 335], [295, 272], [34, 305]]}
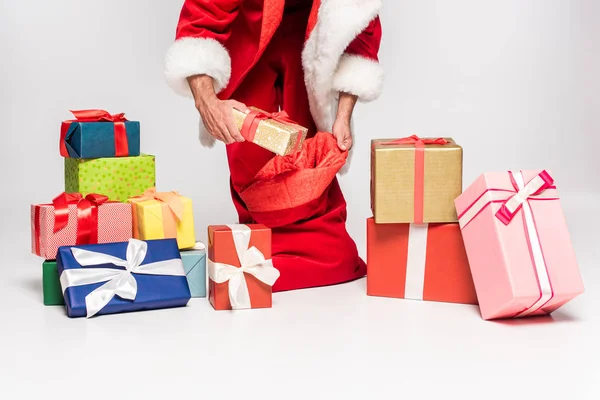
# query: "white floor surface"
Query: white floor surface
{"points": [[331, 343]]}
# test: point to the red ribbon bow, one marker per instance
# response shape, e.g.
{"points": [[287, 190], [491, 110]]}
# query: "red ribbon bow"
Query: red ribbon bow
{"points": [[121, 142], [254, 118], [87, 214]]}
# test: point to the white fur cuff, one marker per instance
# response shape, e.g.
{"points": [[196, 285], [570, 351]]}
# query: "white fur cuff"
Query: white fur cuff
{"points": [[190, 56], [358, 76]]}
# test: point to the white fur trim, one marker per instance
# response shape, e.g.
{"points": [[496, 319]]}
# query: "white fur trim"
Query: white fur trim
{"points": [[338, 23], [190, 56], [358, 76]]}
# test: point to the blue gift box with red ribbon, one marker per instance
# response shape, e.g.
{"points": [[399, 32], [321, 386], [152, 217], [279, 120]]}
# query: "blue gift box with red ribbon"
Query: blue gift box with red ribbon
{"points": [[98, 134]]}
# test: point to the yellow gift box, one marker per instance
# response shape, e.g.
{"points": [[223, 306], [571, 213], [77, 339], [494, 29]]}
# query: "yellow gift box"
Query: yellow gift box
{"points": [[271, 131], [163, 215]]}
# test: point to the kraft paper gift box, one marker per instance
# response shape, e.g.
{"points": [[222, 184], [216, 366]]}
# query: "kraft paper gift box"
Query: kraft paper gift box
{"points": [[272, 131], [122, 277], [52, 292], [163, 215], [240, 269], [518, 244], [119, 177], [72, 219], [415, 180], [194, 263], [420, 262], [97, 134]]}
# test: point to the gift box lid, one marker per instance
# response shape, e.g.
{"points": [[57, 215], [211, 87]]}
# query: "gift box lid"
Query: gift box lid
{"points": [[389, 144]]}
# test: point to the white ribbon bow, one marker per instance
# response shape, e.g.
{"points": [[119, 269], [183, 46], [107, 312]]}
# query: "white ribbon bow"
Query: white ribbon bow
{"points": [[542, 181], [252, 262], [119, 282]]}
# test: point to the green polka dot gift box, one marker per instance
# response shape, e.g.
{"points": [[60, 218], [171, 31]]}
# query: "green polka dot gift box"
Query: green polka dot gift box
{"points": [[118, 178]]}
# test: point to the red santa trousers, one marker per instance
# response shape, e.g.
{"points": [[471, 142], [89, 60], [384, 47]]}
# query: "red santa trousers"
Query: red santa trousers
{"points": [[317, 251]]}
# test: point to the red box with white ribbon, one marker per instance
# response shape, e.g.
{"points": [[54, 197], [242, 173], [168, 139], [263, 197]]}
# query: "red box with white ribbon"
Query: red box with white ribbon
{"points": [[419, 262], [518, 244], [240, 269]]}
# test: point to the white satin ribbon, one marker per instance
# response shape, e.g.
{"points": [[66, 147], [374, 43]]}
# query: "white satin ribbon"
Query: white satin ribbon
{"points": [[492, 196], [199, 246], [415, 262], [536, 248], [487, 198], [524, 192], [119, 282], [252, 261]]}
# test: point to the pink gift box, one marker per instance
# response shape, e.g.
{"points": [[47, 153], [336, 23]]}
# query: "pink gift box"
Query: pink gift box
{"points": [[518, 244]]}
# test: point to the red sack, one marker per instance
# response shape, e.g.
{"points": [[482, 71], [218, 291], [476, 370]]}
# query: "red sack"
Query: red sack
{"points": [[294, 187]]}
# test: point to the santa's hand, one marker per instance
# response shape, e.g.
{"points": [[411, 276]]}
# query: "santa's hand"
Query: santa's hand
{"points": [[343, 134], [341, 127], [217, 115]]}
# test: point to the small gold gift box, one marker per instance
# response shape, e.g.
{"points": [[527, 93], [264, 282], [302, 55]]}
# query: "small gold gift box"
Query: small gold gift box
{"points": [[272, 131]]}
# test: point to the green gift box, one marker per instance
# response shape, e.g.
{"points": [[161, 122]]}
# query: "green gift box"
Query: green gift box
{"points": [[118, 178], [53, 295]]}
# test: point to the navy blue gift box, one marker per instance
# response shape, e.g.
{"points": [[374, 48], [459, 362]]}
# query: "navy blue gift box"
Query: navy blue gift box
{"points": [[100, 278]]}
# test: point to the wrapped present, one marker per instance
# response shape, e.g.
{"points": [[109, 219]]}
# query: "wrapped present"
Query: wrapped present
{"points": [[97, 134], [119, 178], [240, 269], [72, 219], [415, 180], [273, 131], [52, 292], [420, 262], [194, 263], [163, 215], [121, 277], [518, 244]]}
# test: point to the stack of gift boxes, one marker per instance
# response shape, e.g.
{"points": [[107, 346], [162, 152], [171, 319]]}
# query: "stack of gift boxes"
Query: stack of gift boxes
{"points": [[414, 244], [109, 199], [502, 244], [112, 243]]}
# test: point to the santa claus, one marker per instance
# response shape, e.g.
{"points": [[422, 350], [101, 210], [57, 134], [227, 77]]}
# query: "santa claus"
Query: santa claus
{"points": [[311, 58]]}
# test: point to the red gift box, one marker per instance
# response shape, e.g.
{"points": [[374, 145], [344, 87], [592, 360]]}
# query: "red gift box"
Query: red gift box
{"points": [[74, 220], [240, 269], [420, 262]]}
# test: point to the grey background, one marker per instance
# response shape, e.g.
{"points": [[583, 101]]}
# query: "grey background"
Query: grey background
{"points": [[516, 82]]}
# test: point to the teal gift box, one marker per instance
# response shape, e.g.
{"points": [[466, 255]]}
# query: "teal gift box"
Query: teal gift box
{"points": [[194, 264], [98, 134]]}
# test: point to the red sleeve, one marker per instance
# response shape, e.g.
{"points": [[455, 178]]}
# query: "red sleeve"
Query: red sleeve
{"points": [[366, 44], [209, 19]]}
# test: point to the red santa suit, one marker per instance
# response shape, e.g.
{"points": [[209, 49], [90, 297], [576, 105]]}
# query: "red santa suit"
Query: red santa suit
{"points": [[295, 55]]}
